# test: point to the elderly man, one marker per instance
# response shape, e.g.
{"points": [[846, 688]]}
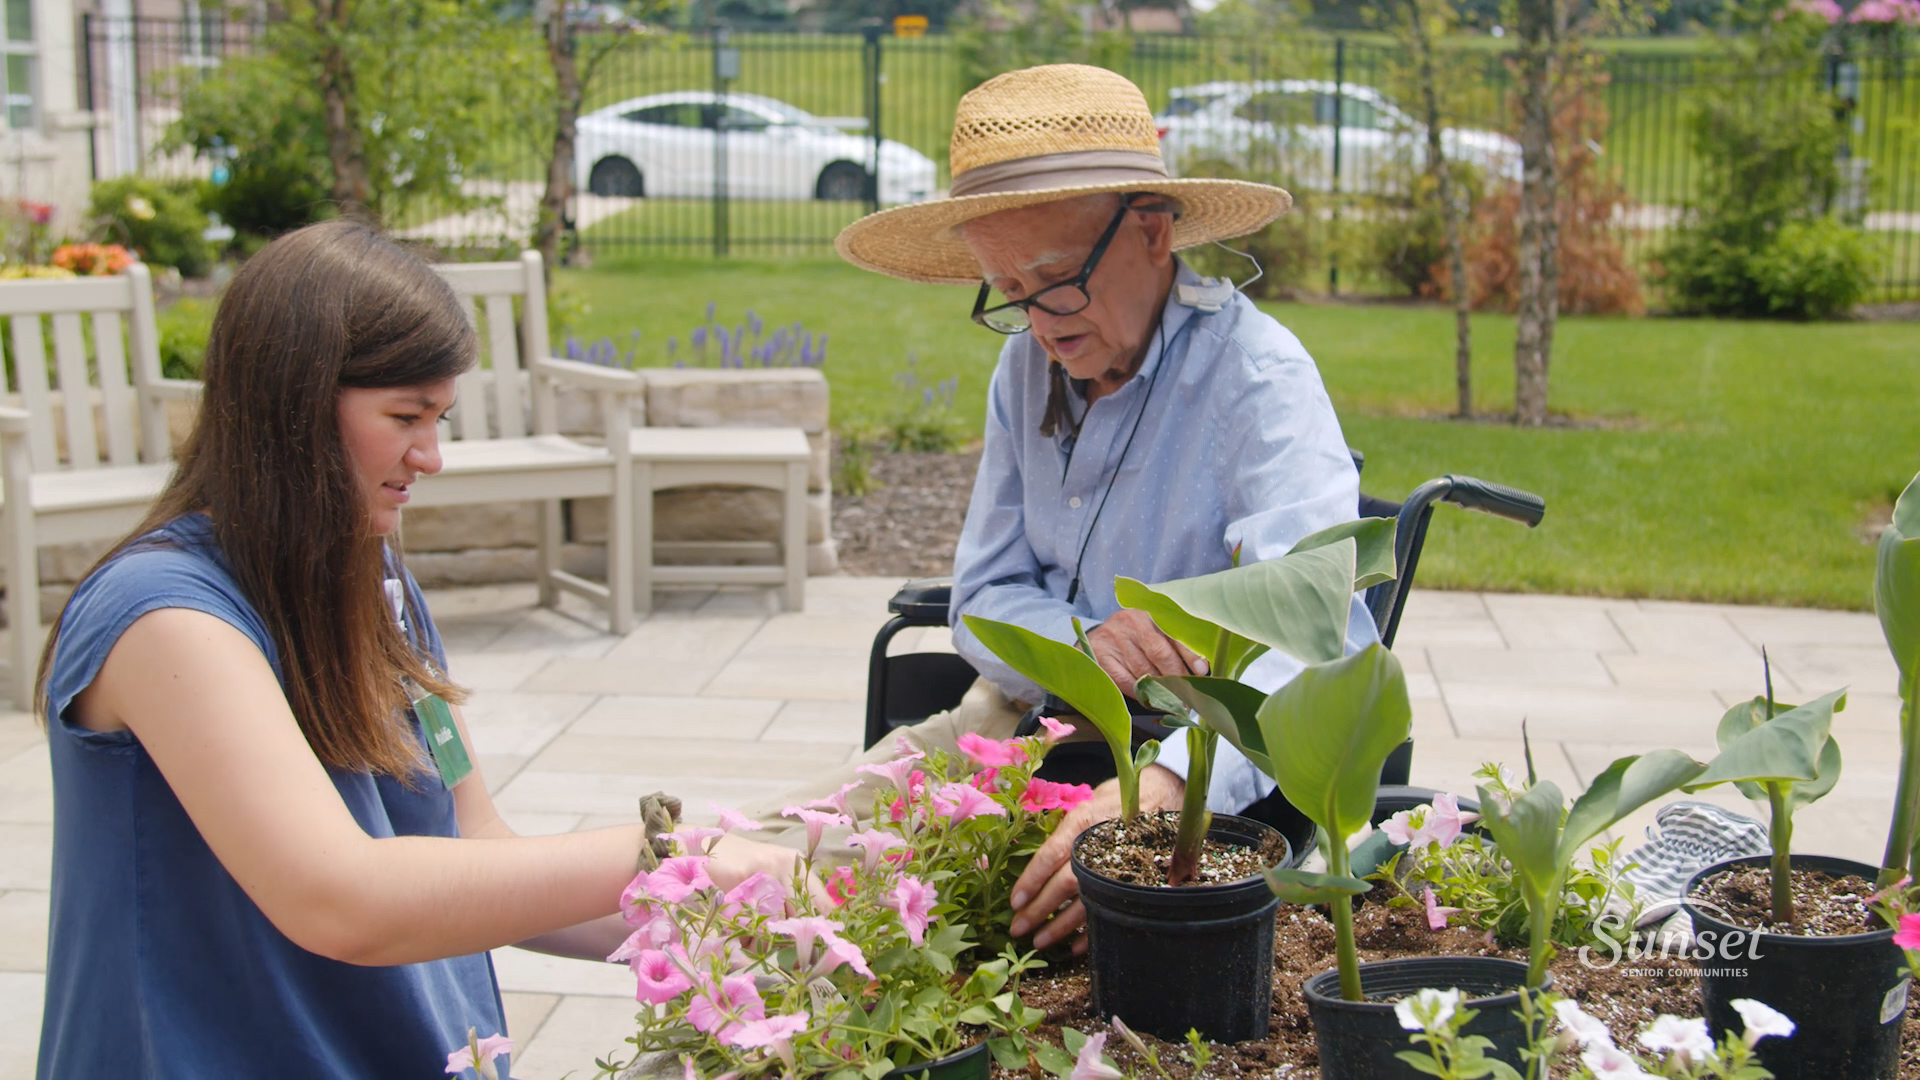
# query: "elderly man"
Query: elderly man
{"points": [[1142, 420]]}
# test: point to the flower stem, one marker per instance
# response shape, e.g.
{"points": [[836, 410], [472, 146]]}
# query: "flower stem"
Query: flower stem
{"points": [[1540, 912], [1906, 800], [1341, 912], [1195, 819], [1780, 838]]}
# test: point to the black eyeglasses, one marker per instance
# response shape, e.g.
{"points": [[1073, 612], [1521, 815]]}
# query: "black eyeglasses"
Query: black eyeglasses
{"points": [[1067, 297]]}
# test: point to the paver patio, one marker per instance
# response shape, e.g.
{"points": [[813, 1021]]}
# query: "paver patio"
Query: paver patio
{"points": [[718, 696]]}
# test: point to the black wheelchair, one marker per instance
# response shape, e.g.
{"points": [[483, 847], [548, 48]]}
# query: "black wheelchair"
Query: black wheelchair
{"points": [[910, 687]]}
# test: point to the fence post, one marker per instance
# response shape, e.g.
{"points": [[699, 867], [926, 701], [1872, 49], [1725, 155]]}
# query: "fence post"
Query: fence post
{"points": [[86, 76], [1339, 92], [726, 67], [870, 30]]}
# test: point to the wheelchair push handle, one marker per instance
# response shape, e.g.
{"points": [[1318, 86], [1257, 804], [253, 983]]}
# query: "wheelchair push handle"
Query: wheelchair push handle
{"points": [[1497, 499]]}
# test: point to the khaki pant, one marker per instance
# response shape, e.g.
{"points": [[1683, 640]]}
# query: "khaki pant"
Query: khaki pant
{"points": [[985, 711]]}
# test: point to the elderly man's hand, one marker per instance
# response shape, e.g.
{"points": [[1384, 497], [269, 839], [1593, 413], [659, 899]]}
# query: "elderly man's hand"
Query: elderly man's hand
{"points": [[1048, 881], [1128, 645]]}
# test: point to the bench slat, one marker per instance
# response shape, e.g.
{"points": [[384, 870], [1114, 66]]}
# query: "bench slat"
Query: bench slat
{"points": [[116, 396], [470, 415], [30, 378], [76, 391], [506, 365]]}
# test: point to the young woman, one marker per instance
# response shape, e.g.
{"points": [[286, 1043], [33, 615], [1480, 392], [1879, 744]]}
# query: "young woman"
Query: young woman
{"points": [[259, 867]]}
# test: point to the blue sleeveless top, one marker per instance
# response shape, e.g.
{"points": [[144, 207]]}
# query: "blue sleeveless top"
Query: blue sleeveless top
{"points": [[158, 965]]}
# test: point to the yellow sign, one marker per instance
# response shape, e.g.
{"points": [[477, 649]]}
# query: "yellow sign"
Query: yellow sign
{"points": [[909, 26]]}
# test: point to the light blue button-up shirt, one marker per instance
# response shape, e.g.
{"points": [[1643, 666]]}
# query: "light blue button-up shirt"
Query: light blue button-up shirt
{"points": [[1237, 443]]}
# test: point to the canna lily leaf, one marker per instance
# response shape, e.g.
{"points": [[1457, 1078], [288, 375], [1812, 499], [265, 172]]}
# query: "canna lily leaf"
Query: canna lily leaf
{"points": [[1896, 583], [1065, 672], [1375, 560], [1297, 603], [1626, 785], [1302, 887], [1338, 722], [1788, 747], [1527, 831], [1226, 657], [1228, 707]]}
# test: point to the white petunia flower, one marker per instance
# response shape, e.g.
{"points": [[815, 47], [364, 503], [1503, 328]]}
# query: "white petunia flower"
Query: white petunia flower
{"points": [[1762, 1020], [1427, 1010], [1582, 1025], [1609, 1062], [1688, 1038]]}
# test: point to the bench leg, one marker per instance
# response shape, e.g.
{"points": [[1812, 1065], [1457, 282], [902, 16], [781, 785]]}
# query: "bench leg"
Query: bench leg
{"points": [[23, 598], [551, 536], [794, 542], [642, 539]]}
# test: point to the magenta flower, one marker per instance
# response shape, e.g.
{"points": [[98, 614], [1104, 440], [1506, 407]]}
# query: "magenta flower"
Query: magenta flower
{"points": [[1042, 795], [1437, 914], [985, 780], [914, 900], [1905, 880], [733, 820], [1908, 935], [658, 976], [816, 822], [1088, 1065], [489, 1048], [720, 1010], [675, 879], [759, 892], [957, 802], [990, 752], [875, 842], [803, 930], [1055, 729], [836, 802], [839, 885]]}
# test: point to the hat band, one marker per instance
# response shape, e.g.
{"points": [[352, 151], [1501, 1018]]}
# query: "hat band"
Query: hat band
{"points": [[1073, 168]]}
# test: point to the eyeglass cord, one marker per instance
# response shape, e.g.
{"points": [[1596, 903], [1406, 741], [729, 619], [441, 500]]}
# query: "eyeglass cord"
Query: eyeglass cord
{"points": [[1160, 332]]}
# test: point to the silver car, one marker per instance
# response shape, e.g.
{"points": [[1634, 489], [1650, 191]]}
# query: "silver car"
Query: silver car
{"points": [[662, 145], [1286, 126]]}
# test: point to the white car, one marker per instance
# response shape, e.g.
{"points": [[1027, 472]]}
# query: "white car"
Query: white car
{"points": [[1287, 125], [662, 145]]}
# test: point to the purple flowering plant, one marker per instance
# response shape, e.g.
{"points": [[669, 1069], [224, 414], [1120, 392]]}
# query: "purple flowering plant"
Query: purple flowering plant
{"points": [[885, 950]]}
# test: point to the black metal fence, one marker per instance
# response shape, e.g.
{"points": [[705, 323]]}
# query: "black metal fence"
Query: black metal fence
{"points": [[766, 142]]}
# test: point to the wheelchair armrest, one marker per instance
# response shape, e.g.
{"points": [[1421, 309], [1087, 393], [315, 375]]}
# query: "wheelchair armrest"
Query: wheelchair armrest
{"points": [[923, 600]]}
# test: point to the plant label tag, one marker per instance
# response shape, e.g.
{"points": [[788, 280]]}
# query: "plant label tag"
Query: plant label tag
{"points": [[1894, 1004], [824, 998], [443, 739]]}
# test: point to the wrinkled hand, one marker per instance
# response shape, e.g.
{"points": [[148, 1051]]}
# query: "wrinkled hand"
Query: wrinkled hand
{"points": [[1048, 881], [1128, 645]]}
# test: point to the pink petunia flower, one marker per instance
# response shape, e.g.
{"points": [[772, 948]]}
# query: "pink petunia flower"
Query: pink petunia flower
{"points": [[490, 1048], [875, 842], [1908, 934], [991, 752], [720, 1010], [894, 772], [1436, 913], [838, 951], [985, 780], [1088, 1065], [1042, 795], [659, 976], [803, 931], [759, 892], [839, 885], [1055, 729], [957, 802], [767, 1032], [695, 837], [733, 820], [914, 900], [836, 802], [1905, 880], [675, 879], [816, 822]]}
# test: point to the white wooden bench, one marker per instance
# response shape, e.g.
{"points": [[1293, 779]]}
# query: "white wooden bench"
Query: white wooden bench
{"points": [[776, 458], [506, 445], [87, 466]]}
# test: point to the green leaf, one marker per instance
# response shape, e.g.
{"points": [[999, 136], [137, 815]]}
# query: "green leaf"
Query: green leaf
{"points": [[1527, 831], [1073, 1039], [1809, 791], [1066, 673], [1374, 560], [978, 1014], [1421, 1062], [1338, 722], [1053, 1059], [1190, 630], [1007, 1053], [1148, 753], [1297, 603], [1788, 747], [1625, 786], [1224, 705], [1896, 581], [1301, 887]]}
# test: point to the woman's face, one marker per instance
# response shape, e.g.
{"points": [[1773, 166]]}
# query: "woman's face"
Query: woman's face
{"points": [[391, 439]]}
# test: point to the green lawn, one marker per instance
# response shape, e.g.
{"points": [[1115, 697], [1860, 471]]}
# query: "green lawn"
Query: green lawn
{"points": [[1721, 460]]}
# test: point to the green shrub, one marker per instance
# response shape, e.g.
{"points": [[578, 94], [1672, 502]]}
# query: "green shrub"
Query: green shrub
{"points": [[183, 337], [157, 220], [1814, 269], [1288, 251]]}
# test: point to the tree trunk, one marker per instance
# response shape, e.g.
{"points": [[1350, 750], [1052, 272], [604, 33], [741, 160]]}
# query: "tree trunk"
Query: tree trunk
{"points": [[352, 189], [1539, 222], [568, 88], [1450, 213]]}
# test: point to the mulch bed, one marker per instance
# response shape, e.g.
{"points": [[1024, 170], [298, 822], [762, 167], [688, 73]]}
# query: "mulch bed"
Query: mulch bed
{"points": [[1303, 947], [908, 524]]}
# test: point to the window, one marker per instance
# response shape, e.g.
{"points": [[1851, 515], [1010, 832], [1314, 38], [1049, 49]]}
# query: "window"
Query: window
{"points": [[20, 63], [738, 119], [678, 114], [1277, 107]]}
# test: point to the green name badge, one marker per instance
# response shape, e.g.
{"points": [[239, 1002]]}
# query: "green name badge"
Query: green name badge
{"points": [[443, 739]]}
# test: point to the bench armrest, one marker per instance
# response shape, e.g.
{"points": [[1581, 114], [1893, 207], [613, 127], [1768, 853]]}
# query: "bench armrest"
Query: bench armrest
{"points": [[589, 376], [14, 421], [179, 389]]}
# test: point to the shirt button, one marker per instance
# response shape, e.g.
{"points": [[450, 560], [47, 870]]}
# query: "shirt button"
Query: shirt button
{"points": [[1074, 502]]}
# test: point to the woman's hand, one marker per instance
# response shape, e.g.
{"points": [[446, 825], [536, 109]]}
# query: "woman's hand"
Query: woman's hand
{"points": [[736, 858], [1048, 881]]}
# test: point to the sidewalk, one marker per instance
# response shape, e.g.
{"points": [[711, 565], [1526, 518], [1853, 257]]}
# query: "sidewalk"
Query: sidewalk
{"points": [[717, 696]]}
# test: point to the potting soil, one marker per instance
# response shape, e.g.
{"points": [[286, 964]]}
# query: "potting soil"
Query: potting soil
{"points": [[1824, 905]]}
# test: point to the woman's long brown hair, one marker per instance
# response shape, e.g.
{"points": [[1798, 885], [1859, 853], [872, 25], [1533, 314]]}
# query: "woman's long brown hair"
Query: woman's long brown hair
{"points": [[329, 306]]}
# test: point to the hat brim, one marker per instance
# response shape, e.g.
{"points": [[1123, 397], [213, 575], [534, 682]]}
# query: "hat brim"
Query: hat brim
{"points": [[918, 241]]}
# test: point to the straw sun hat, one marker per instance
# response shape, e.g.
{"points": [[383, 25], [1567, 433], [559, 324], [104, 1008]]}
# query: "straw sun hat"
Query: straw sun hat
{"points": [[1038, 135]]}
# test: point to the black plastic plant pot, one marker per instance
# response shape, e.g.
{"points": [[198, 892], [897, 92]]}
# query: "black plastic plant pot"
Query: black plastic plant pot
{"points": [[1169, 960], [1358, 1039], [973, 1063], [1845, 994]]}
